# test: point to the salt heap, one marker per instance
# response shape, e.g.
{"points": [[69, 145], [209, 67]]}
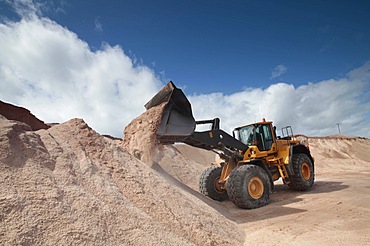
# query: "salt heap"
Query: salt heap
{"points": [[70, 185]]}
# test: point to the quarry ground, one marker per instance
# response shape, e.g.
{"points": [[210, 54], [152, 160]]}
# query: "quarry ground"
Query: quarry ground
{"points": [[335, 212]]}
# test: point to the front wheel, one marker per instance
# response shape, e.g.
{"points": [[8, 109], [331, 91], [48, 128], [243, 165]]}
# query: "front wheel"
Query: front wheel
{"points": [[303, 175], [209, 183], [249, 187]]}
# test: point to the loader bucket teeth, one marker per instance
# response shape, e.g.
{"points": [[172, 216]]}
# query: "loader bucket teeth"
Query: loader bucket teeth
{"points": [[177, 121]]}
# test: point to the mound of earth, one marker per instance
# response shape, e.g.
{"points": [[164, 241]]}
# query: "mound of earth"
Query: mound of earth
{"points": [[69, 185], [339, 152], [140, 134], [12, 112]]}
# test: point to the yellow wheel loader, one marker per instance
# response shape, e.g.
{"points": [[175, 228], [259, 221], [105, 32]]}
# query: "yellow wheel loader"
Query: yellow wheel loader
{"points": [[252, 158]]}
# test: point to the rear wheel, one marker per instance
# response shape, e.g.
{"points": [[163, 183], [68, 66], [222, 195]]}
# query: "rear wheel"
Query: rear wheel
{"points": [[303, 175], [209, 183], [249, 187]]}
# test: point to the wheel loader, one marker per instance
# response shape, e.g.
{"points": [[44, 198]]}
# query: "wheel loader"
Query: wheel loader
{"points": [[251, 159]]}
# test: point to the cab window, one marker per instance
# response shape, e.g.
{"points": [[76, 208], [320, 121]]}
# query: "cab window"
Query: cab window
{"points": [[258, 135], [246, 135]]}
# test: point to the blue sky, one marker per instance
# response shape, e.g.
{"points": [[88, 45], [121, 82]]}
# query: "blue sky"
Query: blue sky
{"points": [[207, 44], [216, 49]]}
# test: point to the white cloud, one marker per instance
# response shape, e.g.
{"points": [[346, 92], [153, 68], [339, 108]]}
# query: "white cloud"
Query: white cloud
{"points": [[49, 70], [32, 8], [312, 109], [98, 25], [278, 71], [26, 8]]}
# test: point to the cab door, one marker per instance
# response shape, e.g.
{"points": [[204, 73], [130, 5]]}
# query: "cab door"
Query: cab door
{"points": [[265, 139]]}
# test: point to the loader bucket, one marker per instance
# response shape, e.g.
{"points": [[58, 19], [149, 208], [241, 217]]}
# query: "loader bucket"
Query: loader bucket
{"points": [[177, 121]]}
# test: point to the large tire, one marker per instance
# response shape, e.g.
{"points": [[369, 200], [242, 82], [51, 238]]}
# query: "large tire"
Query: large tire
{"points": [[208, 183], [303, 175], [249, 187]]}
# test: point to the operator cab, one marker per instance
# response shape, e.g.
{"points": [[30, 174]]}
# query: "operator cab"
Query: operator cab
{"points": [[258, 134]]}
